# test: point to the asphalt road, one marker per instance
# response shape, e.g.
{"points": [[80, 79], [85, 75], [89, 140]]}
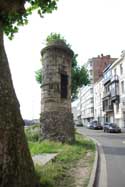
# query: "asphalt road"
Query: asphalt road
{"points": [[113, 146]]}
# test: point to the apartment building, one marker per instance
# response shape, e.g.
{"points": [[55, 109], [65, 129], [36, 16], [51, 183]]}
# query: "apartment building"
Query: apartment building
{"points": [[98, 95], [75, 112], [114, 92], [88, 107], [118, 89], [85, 104], [79, 105], [107, 98], [96, 65]]}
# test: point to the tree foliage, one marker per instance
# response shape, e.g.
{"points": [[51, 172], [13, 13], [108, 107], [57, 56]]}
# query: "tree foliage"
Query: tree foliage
{"points": [[38, 76], [79, 75], [14, 13], [53, 37], [56, 36]]}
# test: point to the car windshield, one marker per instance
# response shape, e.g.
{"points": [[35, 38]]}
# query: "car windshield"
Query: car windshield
{"points": [[106, 123], [112, 125], [95, 123]]}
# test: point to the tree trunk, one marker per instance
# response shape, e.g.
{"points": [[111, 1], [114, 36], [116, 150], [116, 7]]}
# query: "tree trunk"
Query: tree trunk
{"points": [[16, 165]]}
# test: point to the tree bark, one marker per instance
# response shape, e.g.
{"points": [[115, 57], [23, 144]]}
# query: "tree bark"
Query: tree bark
{"points": [[16, 165], [12, 6]]}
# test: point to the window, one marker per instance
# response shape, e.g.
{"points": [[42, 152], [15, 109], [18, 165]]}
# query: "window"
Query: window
{"points": [[92, 110], [91, 100], [64, 86], [122, 87], [117, 108], [121, 68], [91, 90], [90, 63], [115, 71], [91, 72], [107, 89]]}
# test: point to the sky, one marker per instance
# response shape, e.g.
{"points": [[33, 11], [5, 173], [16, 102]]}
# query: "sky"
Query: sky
{"points": [[92, 27]]}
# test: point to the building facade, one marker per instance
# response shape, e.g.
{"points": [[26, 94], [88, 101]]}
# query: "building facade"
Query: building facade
{"points": [[98, 95], [107, 99], [85, 104], [75, 112], [100, 100], [114, 92], [96, 65], [118, 90]]}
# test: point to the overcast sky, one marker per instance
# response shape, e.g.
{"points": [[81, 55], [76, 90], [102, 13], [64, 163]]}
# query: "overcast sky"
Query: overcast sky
{"points": [[92, 27]]}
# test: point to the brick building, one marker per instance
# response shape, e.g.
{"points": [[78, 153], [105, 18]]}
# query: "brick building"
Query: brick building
{"points": [[96, 65]]}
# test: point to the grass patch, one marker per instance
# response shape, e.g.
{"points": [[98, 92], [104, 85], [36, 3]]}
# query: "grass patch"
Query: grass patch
{"points": [[33, 133], [48, 174], [45, 147], [53, 173]]}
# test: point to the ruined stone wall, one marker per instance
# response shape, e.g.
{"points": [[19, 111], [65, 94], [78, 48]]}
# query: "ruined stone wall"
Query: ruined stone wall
{"points": [[55, 61], [56, 117]]}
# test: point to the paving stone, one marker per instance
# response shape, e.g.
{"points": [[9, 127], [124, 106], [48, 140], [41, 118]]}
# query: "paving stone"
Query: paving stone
{"points": [[42, 159]]}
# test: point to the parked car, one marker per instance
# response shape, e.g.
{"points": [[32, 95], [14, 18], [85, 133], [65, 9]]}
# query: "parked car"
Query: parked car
{"points": [[95, 125], [111, 127], [78, 123]]}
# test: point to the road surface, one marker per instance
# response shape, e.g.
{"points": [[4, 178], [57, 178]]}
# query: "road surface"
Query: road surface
{"points": [[113, 161]]}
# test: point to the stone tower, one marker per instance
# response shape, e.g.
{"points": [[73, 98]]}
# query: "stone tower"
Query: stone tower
{"points": [[56, 117]]}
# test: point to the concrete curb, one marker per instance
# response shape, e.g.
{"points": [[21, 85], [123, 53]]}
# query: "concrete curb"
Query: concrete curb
{"points": [[94, 173], [101, 170]]}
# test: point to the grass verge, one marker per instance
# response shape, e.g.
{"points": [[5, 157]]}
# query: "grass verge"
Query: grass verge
{"points": [[62, 171]]}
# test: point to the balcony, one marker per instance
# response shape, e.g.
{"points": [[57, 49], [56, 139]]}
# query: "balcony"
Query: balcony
{"points": [[106, 80], [107, 105], [108, 108], [115, 78], [107, 77], [106, 94], [114, 88], [115, 95]]}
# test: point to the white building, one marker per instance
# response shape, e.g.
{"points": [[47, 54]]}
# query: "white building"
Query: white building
{"points": [[118, 89], [114, 92], [90, 97], [86, 104], [98, 95], [75, 112], [89, 67]]}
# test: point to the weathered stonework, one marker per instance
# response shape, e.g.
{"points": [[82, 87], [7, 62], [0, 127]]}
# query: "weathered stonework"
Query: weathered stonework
{"points": [[56, 118], [58, 126]]}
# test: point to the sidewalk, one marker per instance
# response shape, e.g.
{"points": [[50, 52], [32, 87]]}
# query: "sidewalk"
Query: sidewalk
{"points": [[98, 176], [44, 158]]}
